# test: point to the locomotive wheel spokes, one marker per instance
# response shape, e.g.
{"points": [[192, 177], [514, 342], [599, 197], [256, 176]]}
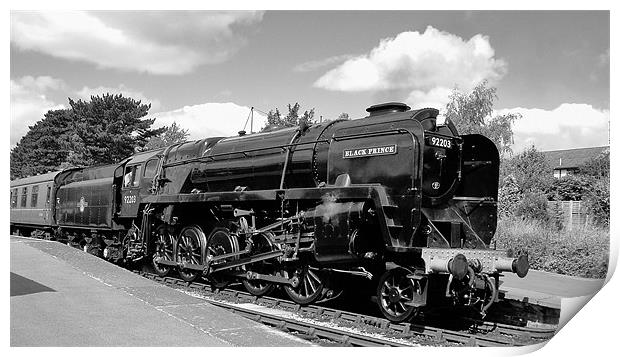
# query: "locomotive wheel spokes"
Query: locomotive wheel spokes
{"points": [[189, 251], [221, 242], [261, 244], [309, 289], [395, 290], [164, 250]]}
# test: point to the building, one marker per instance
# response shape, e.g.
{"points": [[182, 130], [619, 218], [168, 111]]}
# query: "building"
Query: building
{"points": [[569, 162]]}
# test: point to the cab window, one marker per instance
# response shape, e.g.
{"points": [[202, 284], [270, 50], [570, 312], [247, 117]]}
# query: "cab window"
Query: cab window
{"points": [[150, 168], [132, 176]]}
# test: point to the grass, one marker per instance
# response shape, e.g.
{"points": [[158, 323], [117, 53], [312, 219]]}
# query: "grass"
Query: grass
{"points": [[582, 252]]}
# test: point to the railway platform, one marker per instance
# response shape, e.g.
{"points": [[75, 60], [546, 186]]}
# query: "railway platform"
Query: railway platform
{"points": [[61, 296], [547, 289]]}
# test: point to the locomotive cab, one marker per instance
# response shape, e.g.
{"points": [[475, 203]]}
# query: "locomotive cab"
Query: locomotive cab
{"points": [[137, 176]]}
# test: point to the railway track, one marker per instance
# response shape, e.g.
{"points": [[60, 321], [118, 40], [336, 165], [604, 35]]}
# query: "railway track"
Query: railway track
{"points": [[381, 331]]}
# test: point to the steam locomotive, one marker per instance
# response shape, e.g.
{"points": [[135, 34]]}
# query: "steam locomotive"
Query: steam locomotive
{"points": [[394, 199]]}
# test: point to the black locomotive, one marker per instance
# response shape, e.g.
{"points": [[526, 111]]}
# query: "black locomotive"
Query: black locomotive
{"points": [[392, 198]]}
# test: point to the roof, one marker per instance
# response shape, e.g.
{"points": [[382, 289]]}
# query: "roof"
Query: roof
{"points": [[572, 158], [35, 179], [143, 156]]}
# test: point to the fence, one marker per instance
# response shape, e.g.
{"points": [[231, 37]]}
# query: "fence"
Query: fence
{"points": [[573, 213]]}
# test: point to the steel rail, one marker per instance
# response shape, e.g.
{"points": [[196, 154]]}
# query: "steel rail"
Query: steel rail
{"points": [[399, 330], [347, 338], [316, 331]]}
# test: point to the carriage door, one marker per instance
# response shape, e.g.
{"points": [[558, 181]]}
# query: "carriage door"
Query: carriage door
{"points": [[46, 210], [130, 192]]}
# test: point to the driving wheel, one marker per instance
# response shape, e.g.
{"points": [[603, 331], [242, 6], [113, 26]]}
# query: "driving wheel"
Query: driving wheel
{"points": [[221, 242], [309, 288], [189, 251], [261, 243], [164, 250]]}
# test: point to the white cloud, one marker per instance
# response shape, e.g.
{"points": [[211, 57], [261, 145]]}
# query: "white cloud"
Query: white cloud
{"points": [[318, 64], [437, 97], [86, 92], [210, 119], [568, 126], [29, 102], [418, 66], [153, 42]]}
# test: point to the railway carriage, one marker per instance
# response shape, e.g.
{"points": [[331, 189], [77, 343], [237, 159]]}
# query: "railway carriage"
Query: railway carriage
{"points": [[32, 205], [393, 198]]}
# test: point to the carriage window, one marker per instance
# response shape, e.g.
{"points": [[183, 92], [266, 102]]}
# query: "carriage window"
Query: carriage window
{"points": [[132, 176], [49, 195], [24, 197], [35, 196], [150, 168], [14, 198]]}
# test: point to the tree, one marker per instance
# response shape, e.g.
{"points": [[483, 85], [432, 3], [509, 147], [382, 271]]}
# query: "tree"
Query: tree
{"points": [[275, 119], [172, 134], [44, 147], [530, 169], [569, 188], [104, 130], [472, 114], [109, 128], [598, 167], [525, 181], [597, 201]]}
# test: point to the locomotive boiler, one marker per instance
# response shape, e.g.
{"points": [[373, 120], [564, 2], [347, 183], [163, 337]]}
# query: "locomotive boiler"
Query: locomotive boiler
{"points": [[395, 199]]}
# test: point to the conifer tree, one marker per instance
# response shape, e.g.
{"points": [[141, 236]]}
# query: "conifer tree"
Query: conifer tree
{"points": [[104, 130]]}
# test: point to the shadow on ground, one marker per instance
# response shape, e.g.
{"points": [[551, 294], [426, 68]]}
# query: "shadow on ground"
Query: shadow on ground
{"points": [[24, 286]]}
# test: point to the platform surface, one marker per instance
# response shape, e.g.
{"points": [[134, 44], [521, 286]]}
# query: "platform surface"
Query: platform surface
{"points": [[61, 296], [547, 289]]}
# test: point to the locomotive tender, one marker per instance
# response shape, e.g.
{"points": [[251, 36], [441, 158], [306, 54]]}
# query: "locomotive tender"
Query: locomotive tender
{"points": [[392, 198]]}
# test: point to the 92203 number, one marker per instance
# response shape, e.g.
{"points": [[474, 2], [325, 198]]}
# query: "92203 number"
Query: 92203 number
{"points": [[440, 142]]}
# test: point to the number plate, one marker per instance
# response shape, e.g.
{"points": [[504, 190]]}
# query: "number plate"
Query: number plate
{"points": [[439, 142]]}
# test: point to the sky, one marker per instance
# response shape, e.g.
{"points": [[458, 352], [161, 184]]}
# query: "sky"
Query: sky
{"points": [[206, 69]]}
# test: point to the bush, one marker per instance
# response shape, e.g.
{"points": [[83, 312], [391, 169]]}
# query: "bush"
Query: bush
{"points": [[533, 206], [581, 252], [530, 169], [599, 166], [597, 202], [569, 188], [508, 197]]}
